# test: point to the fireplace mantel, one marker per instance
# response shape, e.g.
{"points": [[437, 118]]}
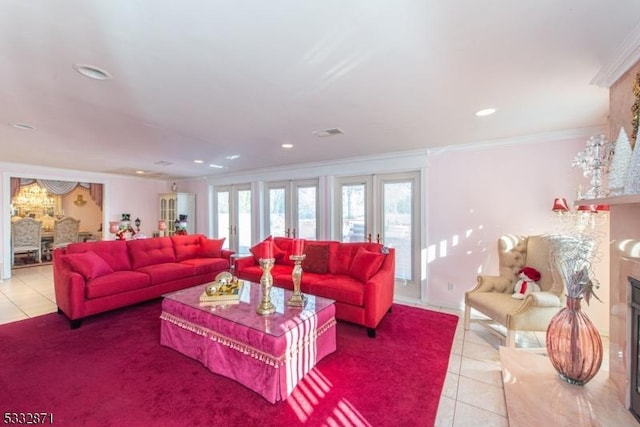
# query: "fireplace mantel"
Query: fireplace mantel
{"points": [[616, 200], [624, 250]]}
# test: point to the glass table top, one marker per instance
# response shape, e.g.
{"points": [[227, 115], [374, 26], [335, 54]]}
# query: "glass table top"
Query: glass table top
{"points": [[244, 312]]}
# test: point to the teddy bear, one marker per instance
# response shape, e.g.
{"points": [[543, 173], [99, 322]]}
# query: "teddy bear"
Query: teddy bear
{"points": [[526, 284]]}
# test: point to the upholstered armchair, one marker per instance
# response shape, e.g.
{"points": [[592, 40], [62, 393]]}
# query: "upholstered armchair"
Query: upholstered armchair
{"points": [[492, 294], [26, 238]]}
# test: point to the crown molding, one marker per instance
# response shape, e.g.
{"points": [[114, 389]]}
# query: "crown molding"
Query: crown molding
{"points": [[562, 135], [625, 57]]}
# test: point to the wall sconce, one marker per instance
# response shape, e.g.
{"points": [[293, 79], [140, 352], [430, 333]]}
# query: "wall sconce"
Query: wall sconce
{"points": [[137, 222]]}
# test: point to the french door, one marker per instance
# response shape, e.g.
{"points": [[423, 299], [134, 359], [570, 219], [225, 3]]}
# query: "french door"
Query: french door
{"points": [[385, 209], [292, 208], [233, 216]]}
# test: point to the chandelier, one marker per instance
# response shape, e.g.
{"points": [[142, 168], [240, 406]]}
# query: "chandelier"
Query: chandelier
{"points": [[33, 197], [594, 161]]}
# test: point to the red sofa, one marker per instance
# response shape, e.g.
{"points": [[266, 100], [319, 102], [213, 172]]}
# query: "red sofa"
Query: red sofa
{"points": [[93, 277], [358, 276]]}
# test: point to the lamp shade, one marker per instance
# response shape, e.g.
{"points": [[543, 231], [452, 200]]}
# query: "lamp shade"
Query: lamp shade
{"points": [[114, 226], [587, 208], [162, 225], [602, 208], [560, 205]]}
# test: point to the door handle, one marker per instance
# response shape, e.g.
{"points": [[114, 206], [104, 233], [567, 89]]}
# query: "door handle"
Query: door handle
{"points": [[287, 233], [369, 237], [294, 233], [378, 238]]}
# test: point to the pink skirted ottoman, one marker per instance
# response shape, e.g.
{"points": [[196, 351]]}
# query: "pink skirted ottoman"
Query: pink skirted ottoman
{"points": [[269, 354]]}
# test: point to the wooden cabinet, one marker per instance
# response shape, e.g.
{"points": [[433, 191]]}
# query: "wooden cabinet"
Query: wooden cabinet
{"points": [[172, 205]]}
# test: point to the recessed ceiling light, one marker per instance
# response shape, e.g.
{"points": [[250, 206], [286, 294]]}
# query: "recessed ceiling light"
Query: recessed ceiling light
{"points": [[22, 126], [92, 72], [233, 156], [287, 145], [215, 166], [485, 112], [140, 172], [198, 161]]}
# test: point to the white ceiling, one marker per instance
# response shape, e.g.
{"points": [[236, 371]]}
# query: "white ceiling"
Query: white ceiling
{"points": [[207, 79]]}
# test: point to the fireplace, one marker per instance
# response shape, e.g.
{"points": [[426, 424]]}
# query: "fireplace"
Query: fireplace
{"points": [[634, 340]]}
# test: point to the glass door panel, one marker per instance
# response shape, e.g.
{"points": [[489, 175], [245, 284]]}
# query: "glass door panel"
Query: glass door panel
{"points": [[353, 221], [292, 208], [398, 224], [306, 212], [277, 219], [244, 221], [223, 217], [233, 217]]}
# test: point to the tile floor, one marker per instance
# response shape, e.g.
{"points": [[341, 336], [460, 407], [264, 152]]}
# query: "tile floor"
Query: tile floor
{"points": [[472, 394]]}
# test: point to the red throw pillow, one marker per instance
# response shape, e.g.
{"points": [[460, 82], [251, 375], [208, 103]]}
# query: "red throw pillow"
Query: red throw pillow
{"points": [[316, 259], [89, 264], [258, 249], [365, 264], [210, 248]]}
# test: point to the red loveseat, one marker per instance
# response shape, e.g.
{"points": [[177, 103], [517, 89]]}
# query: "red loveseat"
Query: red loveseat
{"points": [[360, 277], [94, 277]]}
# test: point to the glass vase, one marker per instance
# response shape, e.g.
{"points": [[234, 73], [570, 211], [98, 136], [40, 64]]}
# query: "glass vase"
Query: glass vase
{"points": [[573, 344]]}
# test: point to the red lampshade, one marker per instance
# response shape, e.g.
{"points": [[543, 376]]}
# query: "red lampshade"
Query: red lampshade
{"points": [[560, 205], [114, 226], [162, 225], [587, 208], [602, 208]]}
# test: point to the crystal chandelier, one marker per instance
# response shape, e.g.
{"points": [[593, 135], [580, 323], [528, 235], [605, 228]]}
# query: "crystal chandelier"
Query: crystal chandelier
{"points": [[594, 161]]}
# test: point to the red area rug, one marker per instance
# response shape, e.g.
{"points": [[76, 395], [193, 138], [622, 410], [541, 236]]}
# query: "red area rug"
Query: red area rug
{"points": [[113, 372]]}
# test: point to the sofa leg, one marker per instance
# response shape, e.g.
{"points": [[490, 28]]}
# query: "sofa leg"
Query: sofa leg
{"points": [[371, 332], [75, 323], [389, 311], [59, 311]]}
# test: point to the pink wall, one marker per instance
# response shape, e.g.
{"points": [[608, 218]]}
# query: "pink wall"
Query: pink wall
{"points": [[473, 196]]}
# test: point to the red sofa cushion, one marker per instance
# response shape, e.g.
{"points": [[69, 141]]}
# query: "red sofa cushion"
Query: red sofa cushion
{"points": [[210, 248], [114, 252], [207, 265], [115, 283], [144, 252], [186, 246], [340, 260], [365, 264], [258, 249], [89, 264], [166, 272], [316, 259], [340, 288]]}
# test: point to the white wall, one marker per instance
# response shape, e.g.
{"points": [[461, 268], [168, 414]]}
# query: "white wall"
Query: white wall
{"points": [[474, 195]]}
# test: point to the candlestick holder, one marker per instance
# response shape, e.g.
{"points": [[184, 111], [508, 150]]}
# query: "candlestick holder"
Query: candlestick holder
{"points": [[266, 282], [297, 299]]}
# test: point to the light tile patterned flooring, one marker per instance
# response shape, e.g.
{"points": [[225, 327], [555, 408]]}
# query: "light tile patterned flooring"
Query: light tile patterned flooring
{"points": [[472, 394]]}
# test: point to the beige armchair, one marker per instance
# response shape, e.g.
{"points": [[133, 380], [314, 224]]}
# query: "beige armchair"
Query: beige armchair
{"points": [[26, 238], [492, 295]]}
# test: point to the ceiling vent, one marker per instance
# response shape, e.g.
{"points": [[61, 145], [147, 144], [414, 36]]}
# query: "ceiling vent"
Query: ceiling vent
{"points": [[328, 132], [163, 163]]}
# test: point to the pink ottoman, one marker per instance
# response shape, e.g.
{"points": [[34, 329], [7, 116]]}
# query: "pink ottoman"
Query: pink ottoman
{"points": [[268, 354]]}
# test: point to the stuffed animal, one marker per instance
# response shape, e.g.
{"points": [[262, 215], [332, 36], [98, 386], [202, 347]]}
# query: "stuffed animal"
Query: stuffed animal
{"points": [[526, 284]]}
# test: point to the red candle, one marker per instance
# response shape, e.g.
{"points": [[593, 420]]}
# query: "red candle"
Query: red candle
{"points": [[298, 247], [268, 249]]}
